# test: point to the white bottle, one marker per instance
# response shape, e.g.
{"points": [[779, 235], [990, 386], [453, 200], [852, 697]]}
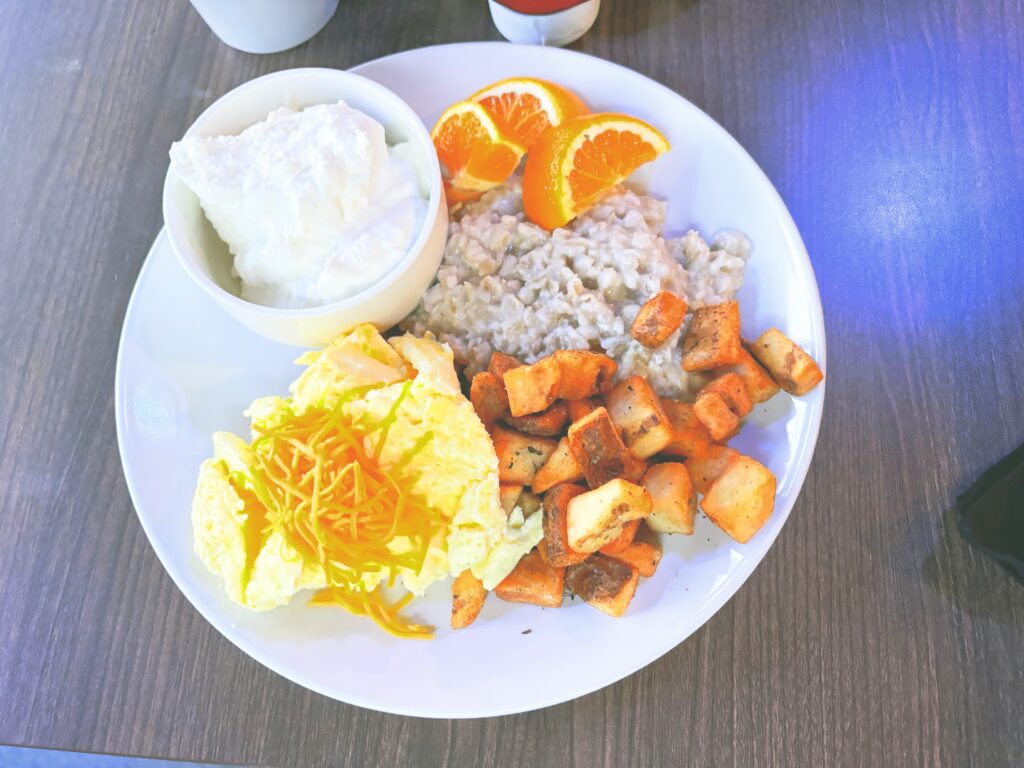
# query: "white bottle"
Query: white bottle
{"points": [[265, 26]]}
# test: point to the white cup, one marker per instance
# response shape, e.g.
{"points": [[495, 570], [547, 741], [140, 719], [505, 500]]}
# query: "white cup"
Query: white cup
{"points": [[265, 26], [558, 28]]}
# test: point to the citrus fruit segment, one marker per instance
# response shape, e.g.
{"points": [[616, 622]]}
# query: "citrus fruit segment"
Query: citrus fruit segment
{"points": [[573, 164], [524, 107], [475, 152]]}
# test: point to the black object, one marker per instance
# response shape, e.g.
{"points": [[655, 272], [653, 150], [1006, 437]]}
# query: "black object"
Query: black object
{"points": [[992, 513]]}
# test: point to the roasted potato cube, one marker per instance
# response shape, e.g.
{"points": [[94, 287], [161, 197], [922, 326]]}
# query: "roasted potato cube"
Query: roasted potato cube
{"points": [[741, 498], [715, 414], [603, 583], [713, 338], [546, 424], [487, 394], [533, 581], [640, 555], [595, 517], [706, 466], [532, 388], [554, 547], [730, 387], [529, 502], [637, 413], [519, 456], [500, 362], [508, 495], [659, 317], [787, 362], [673, 498], [759, 383], [580, 408], [598, 448], [561, 467], [627, 533], [468, 595], [689, 435], [584, 374]]}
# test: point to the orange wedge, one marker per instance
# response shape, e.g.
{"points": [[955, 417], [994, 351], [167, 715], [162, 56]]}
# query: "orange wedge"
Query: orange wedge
{"points": [[476, 153], [524, 107], [574, 163]]}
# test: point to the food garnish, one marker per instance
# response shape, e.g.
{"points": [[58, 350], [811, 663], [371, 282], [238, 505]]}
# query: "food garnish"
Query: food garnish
{"points": [[477, 154], [525, 107]]}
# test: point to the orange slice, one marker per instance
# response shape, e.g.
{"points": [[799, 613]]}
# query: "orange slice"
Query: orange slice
{"points": [[476, 153], [525, 107], [574, 163]]}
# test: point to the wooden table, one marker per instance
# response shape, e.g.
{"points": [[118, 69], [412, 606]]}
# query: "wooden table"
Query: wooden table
{"points": [[870, 635]]}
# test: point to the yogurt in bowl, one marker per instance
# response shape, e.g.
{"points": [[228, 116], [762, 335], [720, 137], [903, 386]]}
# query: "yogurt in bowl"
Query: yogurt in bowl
{"points": [[306, 202]]}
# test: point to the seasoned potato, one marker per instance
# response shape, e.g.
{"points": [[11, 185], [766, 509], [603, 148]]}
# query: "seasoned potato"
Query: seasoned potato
{"points": [[741, 498], [519, 456], [603, 583], [759, 383], [595, 517], [706, 466], [730, 387], [673, 498], [508, 495], [554, 547], [787, 362], [561, 467], [713, 338], [689, 435], [532, 388], [640, 555], [598, 448], [715, 414], [637, 413], [533, 581], [626, 535], [487, 394], [468, 595], [580, 408], [584, 374], [500, 362], [529, 502], [546, 423], [659, 317]]}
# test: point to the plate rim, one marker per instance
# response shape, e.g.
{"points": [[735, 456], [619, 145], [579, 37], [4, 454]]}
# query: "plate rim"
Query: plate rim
{"points": [[803, 458]]}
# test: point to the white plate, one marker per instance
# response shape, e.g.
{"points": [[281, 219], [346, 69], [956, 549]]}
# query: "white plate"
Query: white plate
{"points": [[185, 369]]}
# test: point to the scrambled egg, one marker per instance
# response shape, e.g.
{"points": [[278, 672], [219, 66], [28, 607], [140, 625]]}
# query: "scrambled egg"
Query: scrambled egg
{"points": [[456, 472]]}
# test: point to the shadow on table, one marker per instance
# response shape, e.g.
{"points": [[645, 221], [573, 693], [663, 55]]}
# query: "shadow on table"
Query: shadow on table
{"points": [[24, 757]]}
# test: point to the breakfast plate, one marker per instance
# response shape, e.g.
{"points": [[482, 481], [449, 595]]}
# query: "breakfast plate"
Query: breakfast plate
{"points": [[186, 369]]}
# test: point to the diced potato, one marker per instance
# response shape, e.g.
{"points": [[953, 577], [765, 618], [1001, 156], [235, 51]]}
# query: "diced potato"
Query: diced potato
{"points": [[730, 387], [640, 555], [519, 455], [595, 517], [554, 547], [603, 583], [706, 466], [741, 498], [580, 408], [715, 414], [532, 388], [508, 495], [659, 317], [627, 533], [529, 502], [584, 374], [546, 423], [787, 362], [759, 383], [713, 338], [598, 448], [487, 394], [468, 595], [533, 581], [673, 498], [689, 435], [561, 467], [500, 362], [637, 413]]}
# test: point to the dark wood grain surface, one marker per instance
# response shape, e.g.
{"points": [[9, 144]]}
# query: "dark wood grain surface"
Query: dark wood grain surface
{"points": [[870, 635]]}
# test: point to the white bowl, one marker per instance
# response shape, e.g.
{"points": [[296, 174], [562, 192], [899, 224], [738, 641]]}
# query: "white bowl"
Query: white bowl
{"points": [[207, 261]]}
